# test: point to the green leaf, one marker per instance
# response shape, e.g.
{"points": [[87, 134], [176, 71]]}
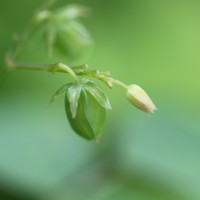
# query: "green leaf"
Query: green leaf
{"points": [[89, 118], [73, 95], [95, 113], [80, 123], [98, 94], [61, 90]]}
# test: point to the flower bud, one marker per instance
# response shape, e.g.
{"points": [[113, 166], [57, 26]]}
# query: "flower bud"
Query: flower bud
{"points": [[84, 111], [139, 98]]}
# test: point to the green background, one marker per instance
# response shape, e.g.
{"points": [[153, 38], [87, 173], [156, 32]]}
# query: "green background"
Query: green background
{"points": [[154, 44]]}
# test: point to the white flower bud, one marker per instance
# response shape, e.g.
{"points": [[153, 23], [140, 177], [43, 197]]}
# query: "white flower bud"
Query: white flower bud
{"points": [[139, 98]]}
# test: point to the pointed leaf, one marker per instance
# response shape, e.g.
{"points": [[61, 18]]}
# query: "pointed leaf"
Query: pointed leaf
{"points": [[61, 90], [73, 95], [95, 114], [80, 123], [98, 94]]}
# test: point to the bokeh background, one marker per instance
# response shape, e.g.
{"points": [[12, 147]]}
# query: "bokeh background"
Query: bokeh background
{"points": [[155, 44]]}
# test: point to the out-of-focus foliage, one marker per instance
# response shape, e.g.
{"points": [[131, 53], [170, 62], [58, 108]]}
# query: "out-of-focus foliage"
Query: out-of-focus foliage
{"points": [[152, 43], [56, 36]]}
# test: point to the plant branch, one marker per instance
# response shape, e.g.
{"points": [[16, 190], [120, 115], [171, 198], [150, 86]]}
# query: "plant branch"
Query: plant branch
{"points": [[57, 67], [81, 70]]}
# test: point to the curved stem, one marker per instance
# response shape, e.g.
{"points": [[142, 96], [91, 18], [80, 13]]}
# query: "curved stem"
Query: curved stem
{"points": [[64, 67]]}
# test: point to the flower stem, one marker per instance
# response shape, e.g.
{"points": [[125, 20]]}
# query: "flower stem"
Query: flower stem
{"points": [[120, 83], [73, 72]]}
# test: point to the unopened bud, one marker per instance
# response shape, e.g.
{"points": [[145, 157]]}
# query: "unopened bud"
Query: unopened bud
{"points": [[139, 98]]}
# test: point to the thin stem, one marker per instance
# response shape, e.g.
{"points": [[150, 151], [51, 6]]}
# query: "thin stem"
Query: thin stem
{"points": [[40, 15], [57, 67], [73, 72], [110, 81], [120, 83]]}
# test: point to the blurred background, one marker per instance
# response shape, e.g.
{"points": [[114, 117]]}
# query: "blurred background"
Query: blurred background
{"points": [[154, 44]]}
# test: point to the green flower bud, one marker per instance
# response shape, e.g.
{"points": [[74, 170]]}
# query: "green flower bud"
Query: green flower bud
{"points": [[139, 98], [86, 109]]}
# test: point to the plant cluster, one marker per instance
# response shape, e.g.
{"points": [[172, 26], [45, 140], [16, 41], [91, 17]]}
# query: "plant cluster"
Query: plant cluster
{"points": [[86, 104]]}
